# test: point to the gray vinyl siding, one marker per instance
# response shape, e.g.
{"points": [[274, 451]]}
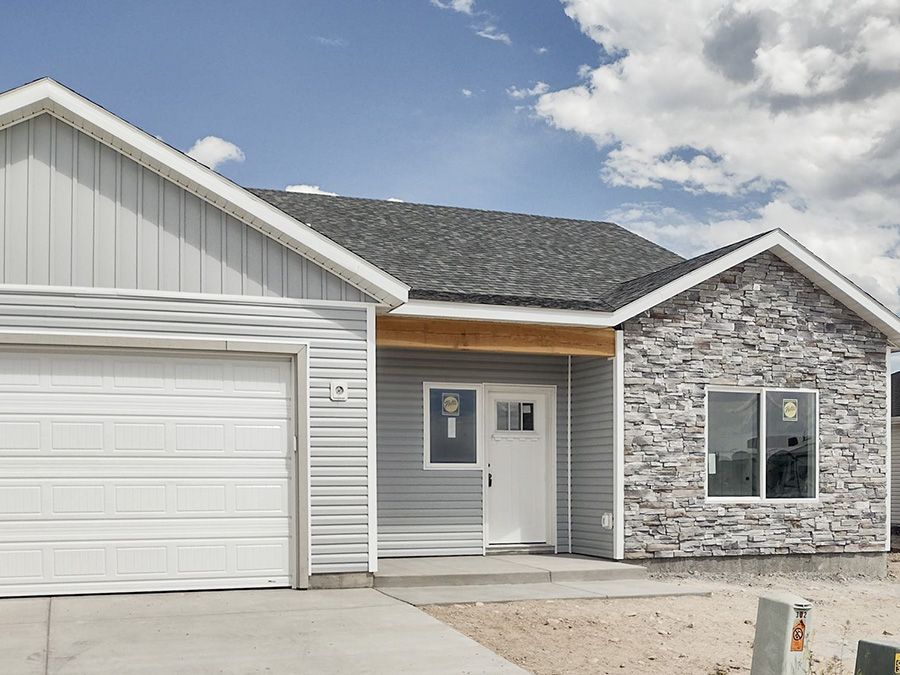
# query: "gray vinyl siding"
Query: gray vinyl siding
{"points": [[592, 455], [895, 473], [75, 212], [337, 350], [439, 512]]}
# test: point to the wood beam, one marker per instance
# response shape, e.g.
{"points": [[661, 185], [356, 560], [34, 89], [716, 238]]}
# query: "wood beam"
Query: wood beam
{"points": [[491, 336]]}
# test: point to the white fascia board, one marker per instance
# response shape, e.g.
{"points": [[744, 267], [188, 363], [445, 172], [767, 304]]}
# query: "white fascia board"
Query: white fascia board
{"points": [[839, 287], [46, 95], [432, 309], [801, 259]]}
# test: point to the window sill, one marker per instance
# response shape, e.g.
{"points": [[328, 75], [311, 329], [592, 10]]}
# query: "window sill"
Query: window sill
{"points": [[761, 500], [453, 467]]}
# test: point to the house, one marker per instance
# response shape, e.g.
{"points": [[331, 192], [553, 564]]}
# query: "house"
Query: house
{"points": [[203, 386]]}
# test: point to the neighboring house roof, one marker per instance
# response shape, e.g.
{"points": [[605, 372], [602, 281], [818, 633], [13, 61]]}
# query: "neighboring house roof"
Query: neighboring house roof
{"points": [[488, 257], [48, 96], [895, 396]]}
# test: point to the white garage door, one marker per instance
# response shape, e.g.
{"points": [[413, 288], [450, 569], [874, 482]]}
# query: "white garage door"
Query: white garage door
{"points": [[139, 471]]}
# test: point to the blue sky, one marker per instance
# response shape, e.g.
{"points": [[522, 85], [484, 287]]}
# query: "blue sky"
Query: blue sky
{"points": [[361, 98], [694, 125]]}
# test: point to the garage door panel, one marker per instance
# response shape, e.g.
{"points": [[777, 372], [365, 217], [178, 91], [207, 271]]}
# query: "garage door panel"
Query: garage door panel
{"points": [[184, 375], [116, 434], [138, 529], [119, 498], [110, 466], [65, 567], [68, 406], [136, 471]]}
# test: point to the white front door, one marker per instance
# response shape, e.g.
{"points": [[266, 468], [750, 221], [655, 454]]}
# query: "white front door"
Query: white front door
{"points": [[519, 453]]}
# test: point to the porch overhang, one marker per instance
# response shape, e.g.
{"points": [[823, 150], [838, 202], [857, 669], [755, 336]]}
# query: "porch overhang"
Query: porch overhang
{"points": [[493, 336]]}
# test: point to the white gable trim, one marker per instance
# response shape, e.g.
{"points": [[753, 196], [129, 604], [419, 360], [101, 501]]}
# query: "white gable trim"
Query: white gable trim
{"points": [[48, 96], [779, 243], [801, 259]]}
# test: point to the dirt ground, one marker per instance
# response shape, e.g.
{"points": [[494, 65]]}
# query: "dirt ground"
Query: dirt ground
{"points": [[683, 635]]}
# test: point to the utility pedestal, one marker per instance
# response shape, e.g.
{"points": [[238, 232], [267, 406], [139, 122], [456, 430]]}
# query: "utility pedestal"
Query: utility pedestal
{"points": [[781, 646], [877, 657]]}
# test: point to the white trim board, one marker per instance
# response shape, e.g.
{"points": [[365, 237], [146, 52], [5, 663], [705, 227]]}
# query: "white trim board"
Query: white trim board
{"points": [[48, 96]]}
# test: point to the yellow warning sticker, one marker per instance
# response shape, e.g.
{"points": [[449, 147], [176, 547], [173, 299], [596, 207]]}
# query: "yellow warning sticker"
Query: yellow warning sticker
{"points": [[897, 662]]}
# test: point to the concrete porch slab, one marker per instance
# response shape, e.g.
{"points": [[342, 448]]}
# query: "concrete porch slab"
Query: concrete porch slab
{"points": [[601, 590], [498, 570], [578, 568]]}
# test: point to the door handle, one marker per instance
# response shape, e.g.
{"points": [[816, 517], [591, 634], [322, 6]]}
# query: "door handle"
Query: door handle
{"points": [[490, 479]]}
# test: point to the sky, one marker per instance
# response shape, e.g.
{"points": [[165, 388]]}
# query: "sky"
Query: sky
{"points": [[694, 124]]}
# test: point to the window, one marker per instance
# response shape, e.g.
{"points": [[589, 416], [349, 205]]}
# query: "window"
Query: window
{"points": [[762, 443], [515, 416], [452, 427]]}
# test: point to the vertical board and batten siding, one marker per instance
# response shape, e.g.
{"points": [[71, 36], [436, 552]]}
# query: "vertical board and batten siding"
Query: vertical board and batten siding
{"points": [[337, 350], [592, 456], [440, 512], [75, 212]]}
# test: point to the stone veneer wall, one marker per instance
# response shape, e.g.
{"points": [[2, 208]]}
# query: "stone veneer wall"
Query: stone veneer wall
{"points": [[758, 324]]}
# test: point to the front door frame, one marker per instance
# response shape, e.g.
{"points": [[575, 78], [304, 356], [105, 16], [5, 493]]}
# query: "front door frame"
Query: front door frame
{"points": [[487, 429]]}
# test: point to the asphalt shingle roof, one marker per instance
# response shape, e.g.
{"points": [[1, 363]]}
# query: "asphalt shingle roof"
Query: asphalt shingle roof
{"points": [[467, 255], [631, 290]]}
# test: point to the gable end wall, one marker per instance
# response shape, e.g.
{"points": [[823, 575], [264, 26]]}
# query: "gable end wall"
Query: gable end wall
{"points": [[74, 212], [759, 324]]}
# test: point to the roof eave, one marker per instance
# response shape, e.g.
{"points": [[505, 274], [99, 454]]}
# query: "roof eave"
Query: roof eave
{"points": [[47, 95], [465, 311], [777, 242]]}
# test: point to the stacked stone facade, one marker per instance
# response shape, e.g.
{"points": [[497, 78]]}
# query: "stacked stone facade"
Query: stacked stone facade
{"points": [[759, 324]]}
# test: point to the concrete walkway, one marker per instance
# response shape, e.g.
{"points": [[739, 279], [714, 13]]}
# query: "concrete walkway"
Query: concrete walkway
{"points": [[277, 632], [452, 595]]}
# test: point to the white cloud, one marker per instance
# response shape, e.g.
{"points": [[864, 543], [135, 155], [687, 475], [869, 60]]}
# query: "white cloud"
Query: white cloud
{"points": [[467, 93], [536, 90], [491, 32], [785, 110], [212, 151], [394, 199], [309, 190], [541, 50], [464, 6], [484, 27], [330, 42]]}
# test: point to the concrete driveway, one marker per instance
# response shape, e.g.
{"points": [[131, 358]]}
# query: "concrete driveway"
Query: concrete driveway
{"points": [[234, 632]]}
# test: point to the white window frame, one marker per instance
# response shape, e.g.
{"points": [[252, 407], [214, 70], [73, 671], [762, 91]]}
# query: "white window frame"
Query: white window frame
{"points": [[761, 393], [479, 426]]}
